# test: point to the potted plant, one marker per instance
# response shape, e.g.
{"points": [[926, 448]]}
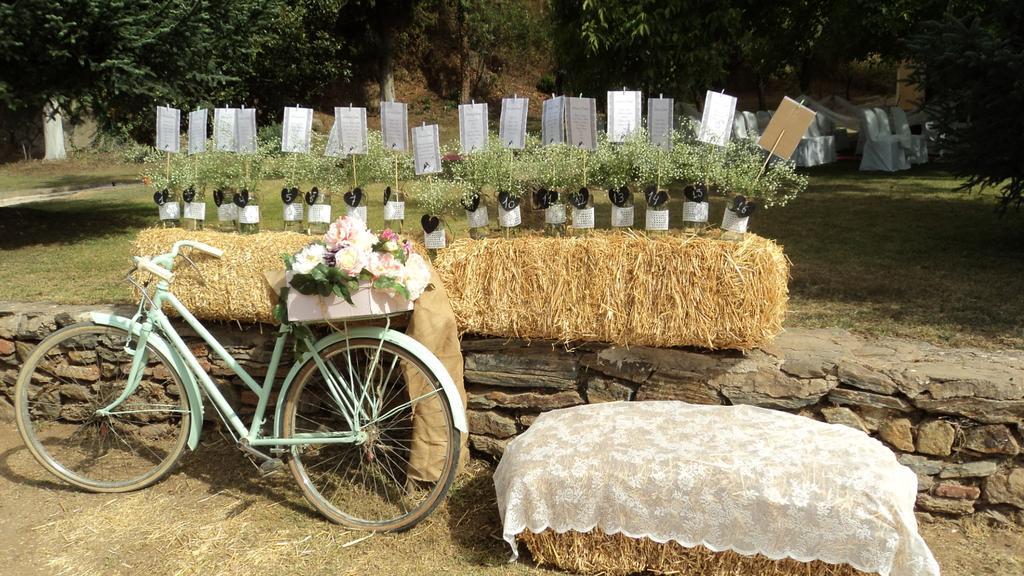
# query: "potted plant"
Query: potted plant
{"points": [[439, 198], [381, 165], [247, 177], [166, 183], [495, 171], [551, 174], [611, 167], [696, 165], [753, 179]]}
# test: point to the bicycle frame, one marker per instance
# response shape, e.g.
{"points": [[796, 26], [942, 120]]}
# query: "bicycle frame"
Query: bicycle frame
{"points": [[154, 318]]}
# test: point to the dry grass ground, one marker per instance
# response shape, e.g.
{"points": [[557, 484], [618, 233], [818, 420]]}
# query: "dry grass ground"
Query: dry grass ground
{"points": [[214, 515]]}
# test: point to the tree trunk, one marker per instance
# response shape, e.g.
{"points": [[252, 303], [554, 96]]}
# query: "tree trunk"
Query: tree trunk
{"points": [[53, 132], [387, 67], [464, 79], [760, 93]]}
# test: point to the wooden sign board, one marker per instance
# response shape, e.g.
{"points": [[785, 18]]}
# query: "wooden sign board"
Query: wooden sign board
{"points": [[197, 131], [426, 149], [512, 126], [472, 127], [552, 125], [716, 122], [581, 122], [394, 125], [787, 127], [623, 113]]}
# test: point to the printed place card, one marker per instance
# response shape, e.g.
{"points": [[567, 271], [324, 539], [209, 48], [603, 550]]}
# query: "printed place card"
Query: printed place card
{"points": [[661, 121], [583, 217], [435, 240], [319, 213], [426, 149], [195, 210], [716, 123], [472, 127], [478, 218], [394, 125], [512, 125], [552, 127], [623, 113], [351, 124], [197, 131], [295, 129], [581, 122], [293, 212], [249, 215], [245, 134], [622, 217], [394, 210], [554, 214], [170, 211], [510, 218], [695, 211], [224, 120], [168, 129], [227, 212], [657, 219]]}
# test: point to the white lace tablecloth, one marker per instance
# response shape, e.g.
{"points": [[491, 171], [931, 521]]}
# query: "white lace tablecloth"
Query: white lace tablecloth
{"points": [[736, 478]]}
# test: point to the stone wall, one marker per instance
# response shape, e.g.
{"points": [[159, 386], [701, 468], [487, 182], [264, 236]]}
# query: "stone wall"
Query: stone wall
{"points": [[955, 417]]}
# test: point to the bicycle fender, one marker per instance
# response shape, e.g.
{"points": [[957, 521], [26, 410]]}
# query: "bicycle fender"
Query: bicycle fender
{"points": [[395, 337], [195, 400]]}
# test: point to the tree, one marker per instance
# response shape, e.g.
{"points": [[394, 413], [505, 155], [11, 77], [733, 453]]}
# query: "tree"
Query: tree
{"points": [[971, 69], [115, 59], [675, 46]]}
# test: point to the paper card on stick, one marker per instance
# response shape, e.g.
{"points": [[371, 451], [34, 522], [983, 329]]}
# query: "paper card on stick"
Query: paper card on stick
{"points": [[716, 123], [623, 113], [245, 131], [351, 125], [224, 120], [197, 131], [295, 129], [394, 125], [552, 125], [581, 122], [786, 128], [426, 149], [661, 121], [512, 126], [472, 127], [168, 129]]}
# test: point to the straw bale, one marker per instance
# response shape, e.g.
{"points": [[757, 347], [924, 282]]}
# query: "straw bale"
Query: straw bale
{"points": [[600, 553], [622, 287], [230, 288]]}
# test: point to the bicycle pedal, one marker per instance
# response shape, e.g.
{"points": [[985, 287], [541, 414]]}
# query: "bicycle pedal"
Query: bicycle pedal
{"points": [[268, 467]]}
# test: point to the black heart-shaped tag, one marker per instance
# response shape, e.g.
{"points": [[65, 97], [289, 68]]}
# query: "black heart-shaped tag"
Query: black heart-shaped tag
{"points": [[545, 198], [580, 198], [472, 203], [507, 201], [655, 198], [311, 197], [288, 195], [218, 197], [387, 194], [161, 197], [743, 207], [354, 197], [698, 193], [619, 197], [430, 223], [241, 198], [189, 195]]}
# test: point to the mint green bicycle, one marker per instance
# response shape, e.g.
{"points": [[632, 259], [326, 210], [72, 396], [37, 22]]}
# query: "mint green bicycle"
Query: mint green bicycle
{"points": [[109, 405]]}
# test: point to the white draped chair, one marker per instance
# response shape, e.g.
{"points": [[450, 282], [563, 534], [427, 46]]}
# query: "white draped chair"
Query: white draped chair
{"points": [[882, 150], [750, 119], [763, 118], [818, 146], [739, 127], [918, 152]]}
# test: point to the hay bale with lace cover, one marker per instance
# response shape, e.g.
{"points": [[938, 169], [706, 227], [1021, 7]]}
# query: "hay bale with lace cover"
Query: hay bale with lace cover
{"points": [[626, 288], [229, 288]]}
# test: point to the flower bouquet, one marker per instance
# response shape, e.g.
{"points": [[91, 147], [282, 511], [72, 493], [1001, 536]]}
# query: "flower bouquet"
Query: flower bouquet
{"points": [[353, 273]]}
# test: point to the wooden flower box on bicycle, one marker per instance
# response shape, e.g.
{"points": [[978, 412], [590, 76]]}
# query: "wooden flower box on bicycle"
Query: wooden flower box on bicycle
{"points": [[109, 405]]}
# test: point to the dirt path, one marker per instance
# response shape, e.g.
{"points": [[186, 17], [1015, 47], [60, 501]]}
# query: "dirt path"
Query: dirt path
{"points": [[215, 516]]}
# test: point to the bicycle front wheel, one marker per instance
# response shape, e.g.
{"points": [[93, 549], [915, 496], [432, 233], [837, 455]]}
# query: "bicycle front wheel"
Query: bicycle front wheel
{"points": [[80, 370], [407, 449]]}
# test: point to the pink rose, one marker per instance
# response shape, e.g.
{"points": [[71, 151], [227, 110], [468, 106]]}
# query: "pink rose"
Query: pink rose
{"points": [[344, 229], [384, 264]]}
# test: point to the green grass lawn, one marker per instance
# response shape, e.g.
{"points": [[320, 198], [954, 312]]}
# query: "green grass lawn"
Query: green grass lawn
{"points": [[21, 178], [902, 255]]}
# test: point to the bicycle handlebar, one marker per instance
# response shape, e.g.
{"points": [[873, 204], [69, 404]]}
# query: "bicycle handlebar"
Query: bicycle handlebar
{"points": [[161, 266]]}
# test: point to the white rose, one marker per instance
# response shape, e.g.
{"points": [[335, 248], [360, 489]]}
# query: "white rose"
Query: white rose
{"points": [[351, 260], [416, 276], [308, 258]]}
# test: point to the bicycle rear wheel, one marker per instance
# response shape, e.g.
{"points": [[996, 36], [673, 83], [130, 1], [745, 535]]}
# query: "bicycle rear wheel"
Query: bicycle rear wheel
{"points": [[81, 369], [403, 466]]}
